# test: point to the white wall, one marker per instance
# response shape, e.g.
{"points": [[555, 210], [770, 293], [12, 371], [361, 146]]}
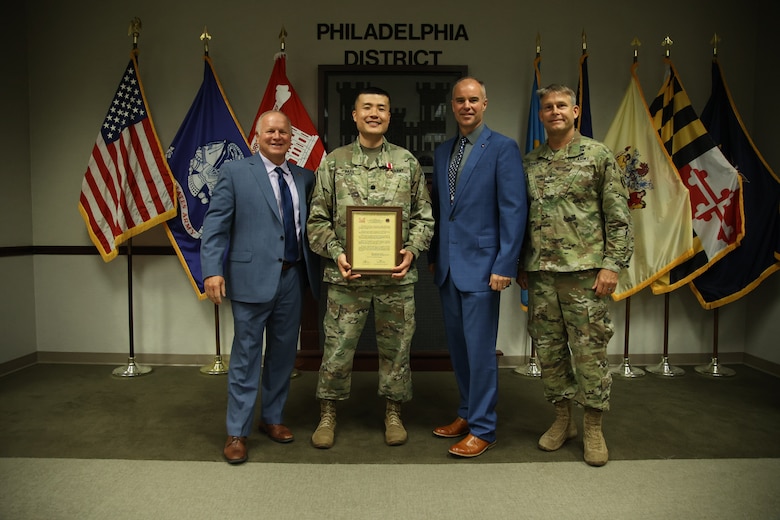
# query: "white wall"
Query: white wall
{"points": [[77, 51], [17, 304]]}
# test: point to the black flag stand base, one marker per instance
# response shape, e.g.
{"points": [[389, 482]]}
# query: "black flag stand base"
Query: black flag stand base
{"points": [[531, 369], [665, 369], [626, 370], [215, 368], [131, 370], [714, 369]]}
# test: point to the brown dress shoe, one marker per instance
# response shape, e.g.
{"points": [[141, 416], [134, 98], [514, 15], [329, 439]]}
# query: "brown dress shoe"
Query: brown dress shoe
{"points": [[277, 432], [457, 428], [471, 446], [235, 449]]}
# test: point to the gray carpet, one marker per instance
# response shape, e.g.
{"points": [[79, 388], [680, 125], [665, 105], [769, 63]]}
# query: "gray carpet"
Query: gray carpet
{"points": [[78, 489], [177, 414]]}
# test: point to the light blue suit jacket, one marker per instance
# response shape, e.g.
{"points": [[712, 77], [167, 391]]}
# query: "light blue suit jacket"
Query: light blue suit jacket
{"points": [[482, 231], [243, 219]]}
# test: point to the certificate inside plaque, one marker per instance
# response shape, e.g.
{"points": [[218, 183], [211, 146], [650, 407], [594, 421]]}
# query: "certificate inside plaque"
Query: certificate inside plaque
{"points": [[373, 238]]}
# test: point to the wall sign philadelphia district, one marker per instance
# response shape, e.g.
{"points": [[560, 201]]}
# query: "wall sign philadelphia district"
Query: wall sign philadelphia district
{"points": [[392, 31]]}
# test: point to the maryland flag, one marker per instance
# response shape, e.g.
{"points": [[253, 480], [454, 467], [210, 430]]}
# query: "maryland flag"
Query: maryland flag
{"points": [[758, 255], [659, 202], [209, 137], [306, 149], [584, 123], [715, 186]]}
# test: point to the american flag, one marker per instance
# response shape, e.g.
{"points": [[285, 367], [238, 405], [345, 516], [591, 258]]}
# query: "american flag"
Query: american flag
{"points": [[128, 186]]}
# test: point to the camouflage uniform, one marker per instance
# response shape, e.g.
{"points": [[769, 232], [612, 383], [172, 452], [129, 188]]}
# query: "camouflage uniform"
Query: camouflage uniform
{"points": [[578, 223], [346, 178]]}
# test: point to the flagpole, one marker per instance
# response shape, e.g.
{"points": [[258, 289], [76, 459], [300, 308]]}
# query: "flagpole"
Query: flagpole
{"points": [[664, 368], [131, 369], [625, 369], [713, 368], [217, 367], [282, 36], [531, 369]]}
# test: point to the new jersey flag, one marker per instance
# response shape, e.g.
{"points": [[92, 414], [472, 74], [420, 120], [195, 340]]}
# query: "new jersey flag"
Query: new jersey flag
{"points": [[306, 149], [758, 255], [658, 200], [713, 183], [208, 137], [128, 187]]}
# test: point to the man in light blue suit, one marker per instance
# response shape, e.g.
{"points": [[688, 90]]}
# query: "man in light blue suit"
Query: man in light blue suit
{"points": [[480, 208], [254, 250]]}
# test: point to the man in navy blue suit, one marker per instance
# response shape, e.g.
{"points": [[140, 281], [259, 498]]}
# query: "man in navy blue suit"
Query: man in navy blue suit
{"points": [[254, 250], [480, 208]]}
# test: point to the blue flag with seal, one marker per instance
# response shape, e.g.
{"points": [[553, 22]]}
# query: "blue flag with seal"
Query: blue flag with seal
{"points": [[209, 137], [758, 254], [535, 136]]}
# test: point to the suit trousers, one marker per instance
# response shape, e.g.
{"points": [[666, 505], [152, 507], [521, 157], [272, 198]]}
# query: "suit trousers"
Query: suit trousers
{"points": [[471, 325], [280, 320]]}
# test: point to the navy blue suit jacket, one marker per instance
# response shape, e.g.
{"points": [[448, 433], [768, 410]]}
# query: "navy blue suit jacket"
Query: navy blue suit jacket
{"points": [[482, 231]]}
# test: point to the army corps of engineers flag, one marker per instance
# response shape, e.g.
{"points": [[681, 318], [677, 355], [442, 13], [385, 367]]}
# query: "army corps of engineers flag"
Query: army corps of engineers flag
{"points": [[208, 137], [306, 149], [715, 186], [658, 200]]}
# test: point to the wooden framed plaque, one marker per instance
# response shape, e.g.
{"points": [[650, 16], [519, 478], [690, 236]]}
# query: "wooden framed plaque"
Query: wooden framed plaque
{"points": [[373, 238]]}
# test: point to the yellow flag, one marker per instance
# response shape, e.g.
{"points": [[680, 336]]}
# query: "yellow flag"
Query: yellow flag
{"points": [[658, 200]]}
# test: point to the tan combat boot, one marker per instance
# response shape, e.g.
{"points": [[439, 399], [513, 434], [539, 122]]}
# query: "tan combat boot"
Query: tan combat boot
{"points": [[562, 429], [323, 435], [596, 453], [395, 434]]}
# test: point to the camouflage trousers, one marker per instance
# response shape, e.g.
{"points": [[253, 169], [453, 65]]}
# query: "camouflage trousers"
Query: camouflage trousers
{"points": [[345, 317], [570, 329]]}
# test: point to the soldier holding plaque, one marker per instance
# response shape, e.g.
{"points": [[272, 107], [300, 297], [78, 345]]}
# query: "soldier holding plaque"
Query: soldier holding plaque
{"points": [[371, 217]]}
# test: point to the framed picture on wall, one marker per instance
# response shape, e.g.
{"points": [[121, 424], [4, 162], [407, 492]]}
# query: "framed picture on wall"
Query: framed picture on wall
{"points": [[420, 113]]}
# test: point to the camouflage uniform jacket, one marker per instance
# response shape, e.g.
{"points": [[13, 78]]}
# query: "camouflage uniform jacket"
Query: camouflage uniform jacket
{"points": [[578, 217], [346, 179]]}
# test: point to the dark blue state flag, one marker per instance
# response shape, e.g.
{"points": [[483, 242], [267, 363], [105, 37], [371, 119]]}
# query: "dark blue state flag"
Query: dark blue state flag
{"points": [[534, 136], [535, 131], [758, 255], [584, 124], [209, 137]]}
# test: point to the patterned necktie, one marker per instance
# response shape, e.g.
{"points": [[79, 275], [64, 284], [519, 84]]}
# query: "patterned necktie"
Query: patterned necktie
{"points": [[452, 173], [288, 215]]}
